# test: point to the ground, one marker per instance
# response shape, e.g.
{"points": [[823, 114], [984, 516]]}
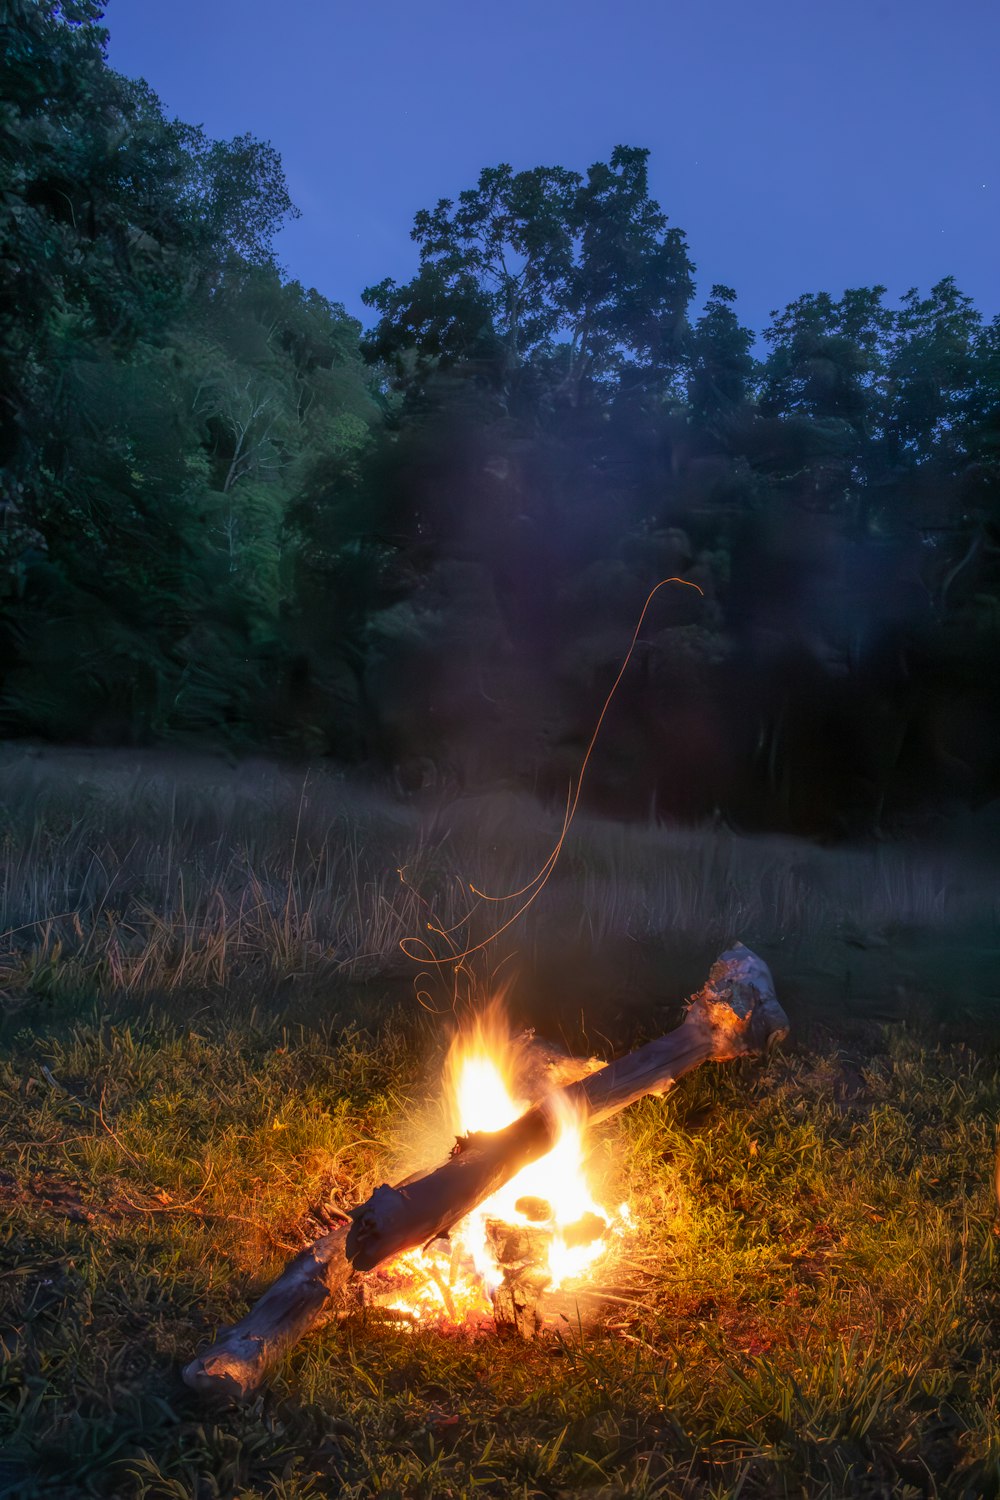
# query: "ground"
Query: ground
{"points": [[210, 1041]]}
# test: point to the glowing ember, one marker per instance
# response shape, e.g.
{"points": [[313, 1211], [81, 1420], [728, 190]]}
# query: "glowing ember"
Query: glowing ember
{"points": [[548, 1206]]}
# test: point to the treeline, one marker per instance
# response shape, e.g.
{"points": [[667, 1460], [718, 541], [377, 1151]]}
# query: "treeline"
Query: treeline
{"points": [[230, 517]]}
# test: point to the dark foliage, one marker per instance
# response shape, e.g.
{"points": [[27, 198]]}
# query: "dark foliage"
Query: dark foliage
{"points": [[225, 519]]}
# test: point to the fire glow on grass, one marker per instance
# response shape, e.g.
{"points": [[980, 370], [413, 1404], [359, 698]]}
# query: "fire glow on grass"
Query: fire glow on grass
{"points": [[551, 1198]]}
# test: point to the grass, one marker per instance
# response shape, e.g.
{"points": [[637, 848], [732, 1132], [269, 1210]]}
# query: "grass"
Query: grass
{"points": [[210, 1040]]}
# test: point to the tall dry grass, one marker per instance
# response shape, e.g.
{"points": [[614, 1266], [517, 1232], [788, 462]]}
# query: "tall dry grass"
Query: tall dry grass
{"points": [[148, 874]]}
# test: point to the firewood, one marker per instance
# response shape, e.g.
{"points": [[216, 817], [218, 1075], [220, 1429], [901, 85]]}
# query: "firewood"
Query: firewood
{"points": [[314, 1286], [525, 1304], [304, 1295], [735, 1014]]}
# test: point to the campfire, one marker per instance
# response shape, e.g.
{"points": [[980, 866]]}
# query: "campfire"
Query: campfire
{"points": [[539, 1234], [508, 1222]]}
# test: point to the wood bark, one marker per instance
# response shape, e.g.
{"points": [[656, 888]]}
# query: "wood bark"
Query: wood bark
{"points": [[304, 1295], [735, 1014]]}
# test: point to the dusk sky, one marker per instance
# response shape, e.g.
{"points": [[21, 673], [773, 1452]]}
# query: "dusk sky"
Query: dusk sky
{"points": [[801, 147]]}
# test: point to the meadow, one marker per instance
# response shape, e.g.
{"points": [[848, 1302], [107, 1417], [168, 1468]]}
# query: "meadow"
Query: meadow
{"points": [[211, 1042]]}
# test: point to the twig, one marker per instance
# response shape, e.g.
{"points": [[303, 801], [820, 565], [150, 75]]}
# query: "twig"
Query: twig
{"points": [[209, 1214], [122, 1148]]}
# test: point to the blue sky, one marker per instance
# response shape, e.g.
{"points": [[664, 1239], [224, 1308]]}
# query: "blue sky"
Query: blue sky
{"points": [[801, 146]]}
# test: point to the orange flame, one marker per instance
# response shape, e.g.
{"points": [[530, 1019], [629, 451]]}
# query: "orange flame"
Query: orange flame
{"points": [[550, 1196]]}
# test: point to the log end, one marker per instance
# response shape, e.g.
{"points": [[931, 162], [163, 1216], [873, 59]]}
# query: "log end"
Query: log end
{"points": [[374, 1226], [225, 1374], [740, 1006], [237, 1363]]}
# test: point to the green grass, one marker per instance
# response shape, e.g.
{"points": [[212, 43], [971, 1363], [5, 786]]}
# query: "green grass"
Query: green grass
{"points": [[809, 1305]]}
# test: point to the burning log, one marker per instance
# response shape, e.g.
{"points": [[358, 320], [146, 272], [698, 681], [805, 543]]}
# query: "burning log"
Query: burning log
{"points": [[315, 1286], [735, 1014], [525, 1301]]}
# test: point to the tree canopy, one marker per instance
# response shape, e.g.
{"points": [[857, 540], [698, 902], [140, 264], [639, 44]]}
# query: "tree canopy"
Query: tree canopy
{"points": [[578, 275], [230, 515]]}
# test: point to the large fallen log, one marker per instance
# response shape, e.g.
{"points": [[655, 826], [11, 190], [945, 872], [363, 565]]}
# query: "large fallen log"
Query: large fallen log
{"points": [[317, 1284], [735, 1014]]}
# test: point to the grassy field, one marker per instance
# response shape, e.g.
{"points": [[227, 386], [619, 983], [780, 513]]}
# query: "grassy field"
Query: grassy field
{"points": [[210, 1040]]}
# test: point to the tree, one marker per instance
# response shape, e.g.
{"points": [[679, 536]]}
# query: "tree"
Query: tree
{"points": [[827, 355], [110, 215], [931, 372], [720, 365], [579, 277], [163, 396]]}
